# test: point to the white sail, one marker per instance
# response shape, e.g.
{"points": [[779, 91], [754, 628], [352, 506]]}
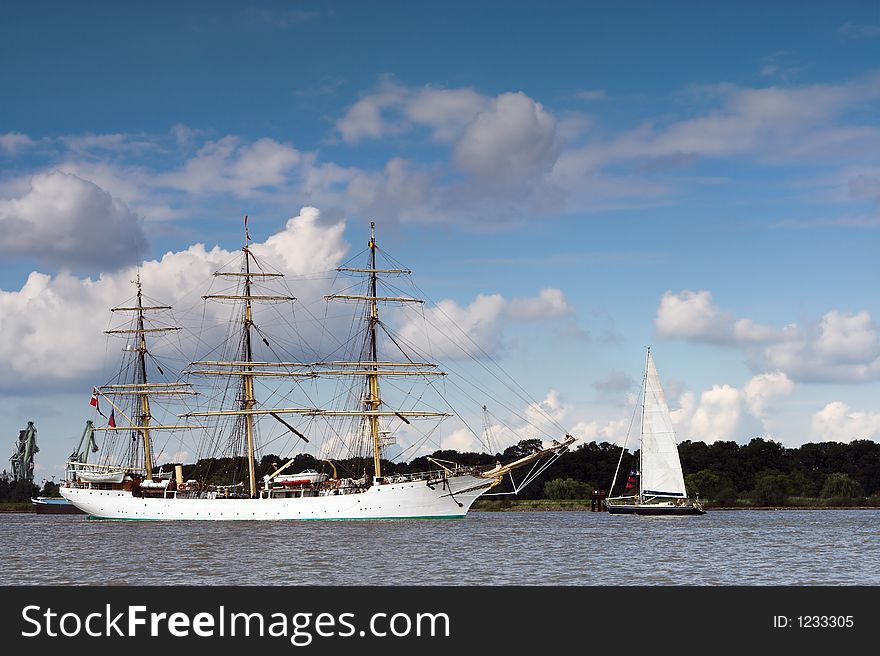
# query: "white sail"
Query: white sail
{"points": [[661, 466]]}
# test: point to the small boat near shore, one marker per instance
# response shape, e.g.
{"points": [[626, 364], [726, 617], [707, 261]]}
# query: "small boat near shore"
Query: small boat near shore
{"points": [[54, 506]]}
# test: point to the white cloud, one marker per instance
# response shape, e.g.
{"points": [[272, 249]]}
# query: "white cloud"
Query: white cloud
{"points": [[512, 142], [725, 412], [496, 160], [12, 142], [393, 109], [549, 303], [399, 191], [693, 315], [762, 390], [716, 417], [837, 422], [446, 111], [58, 320], [66, 221], [450, 331], [229, 165], [840, 347]]}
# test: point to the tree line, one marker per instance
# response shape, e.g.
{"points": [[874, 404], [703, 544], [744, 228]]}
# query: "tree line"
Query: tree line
{"points": [[763, 471]]}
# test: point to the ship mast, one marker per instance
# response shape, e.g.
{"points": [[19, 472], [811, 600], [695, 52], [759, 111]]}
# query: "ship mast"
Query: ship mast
{"points": [[642, 429], [371, 368], [244, 366], [141, 388], [373, 401], [368, 365], [248, 400], [142, 379]]}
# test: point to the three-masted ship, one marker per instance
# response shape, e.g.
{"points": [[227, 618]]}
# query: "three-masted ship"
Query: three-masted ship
{"points": [[132, 488]]}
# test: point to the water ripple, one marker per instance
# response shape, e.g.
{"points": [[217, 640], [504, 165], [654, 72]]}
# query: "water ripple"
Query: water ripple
{"points": [[811, 547]]}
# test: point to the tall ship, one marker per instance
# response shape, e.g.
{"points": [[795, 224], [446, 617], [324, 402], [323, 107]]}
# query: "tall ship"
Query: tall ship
{"points": [[256, 389], [656, 485]]}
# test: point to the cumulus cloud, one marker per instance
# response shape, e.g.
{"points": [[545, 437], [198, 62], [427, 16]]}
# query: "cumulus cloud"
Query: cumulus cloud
{"points": [[66, 221], [762, 390], [452, 331], [58, 320], [693, 315], [496, 159], [769, 121], [393, 109], [716, 416], [839, 347], [549, 303], [512, 142], [775, 124], [231, 165], [12, 142], [506, 146], [837, 422]]}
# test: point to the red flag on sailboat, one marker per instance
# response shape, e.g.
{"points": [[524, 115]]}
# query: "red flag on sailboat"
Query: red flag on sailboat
{"points": [[631, 481], [112, 421], [94, 401]]}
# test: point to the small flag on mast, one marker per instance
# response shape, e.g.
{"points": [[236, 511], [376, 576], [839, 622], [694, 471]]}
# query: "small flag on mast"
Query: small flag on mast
{"points": [[631, 481], [247, 236], [94, 401], [111, 422]]}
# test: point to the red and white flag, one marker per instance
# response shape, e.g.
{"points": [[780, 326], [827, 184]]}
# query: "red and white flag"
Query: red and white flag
{"points": [[111, 422], [94, 401]]}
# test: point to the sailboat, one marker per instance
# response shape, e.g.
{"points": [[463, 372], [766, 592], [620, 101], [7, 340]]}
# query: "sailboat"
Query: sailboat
{"points": [[240, 389], [657, 485]]}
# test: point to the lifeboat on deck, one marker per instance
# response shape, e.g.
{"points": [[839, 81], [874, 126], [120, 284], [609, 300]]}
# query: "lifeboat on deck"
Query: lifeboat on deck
{"points": [[305, 477]]}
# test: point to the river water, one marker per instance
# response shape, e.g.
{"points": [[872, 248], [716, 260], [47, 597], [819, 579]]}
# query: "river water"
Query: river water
{"points": [[785, 547]]}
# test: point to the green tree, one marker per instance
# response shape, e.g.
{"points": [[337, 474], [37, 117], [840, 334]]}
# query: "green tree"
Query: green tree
{"points": [[771, 488], [707, 483], [567, 488], [800, 485], [841, 485]]}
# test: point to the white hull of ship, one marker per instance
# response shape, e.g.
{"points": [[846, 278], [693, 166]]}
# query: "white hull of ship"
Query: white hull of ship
{"points": [[451, 498]]}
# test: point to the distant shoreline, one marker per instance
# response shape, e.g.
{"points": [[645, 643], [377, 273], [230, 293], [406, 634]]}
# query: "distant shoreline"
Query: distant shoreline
{"points": [[539, 505]]}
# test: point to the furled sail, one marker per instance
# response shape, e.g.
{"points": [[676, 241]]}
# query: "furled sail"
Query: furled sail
{"points": [[661, 467]]}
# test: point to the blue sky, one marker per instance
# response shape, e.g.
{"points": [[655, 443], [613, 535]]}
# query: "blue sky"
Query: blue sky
{"points": [[700, 177]]}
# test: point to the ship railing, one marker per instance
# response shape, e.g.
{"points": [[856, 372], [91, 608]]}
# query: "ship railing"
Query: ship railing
{"points": [[433, 475]]}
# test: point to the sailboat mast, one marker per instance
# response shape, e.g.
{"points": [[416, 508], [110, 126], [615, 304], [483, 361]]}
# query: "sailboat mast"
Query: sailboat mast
{"points": [[248, 400], [642, 429], [373, 400], [142, 379]]}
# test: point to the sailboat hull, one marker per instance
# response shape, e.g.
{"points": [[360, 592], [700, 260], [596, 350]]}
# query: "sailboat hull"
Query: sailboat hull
{"points": [[654, 509], [451, 498]]}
